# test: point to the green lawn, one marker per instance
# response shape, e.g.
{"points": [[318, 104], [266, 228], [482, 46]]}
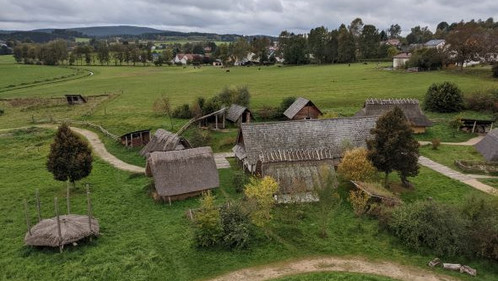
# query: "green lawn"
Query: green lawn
{"points": [[447, 154], [144, 240], [336, 276]]}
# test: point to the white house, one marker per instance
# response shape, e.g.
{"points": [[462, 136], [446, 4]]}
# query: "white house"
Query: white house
{"points": [[183, 58], [435, 44], [400, 60]]}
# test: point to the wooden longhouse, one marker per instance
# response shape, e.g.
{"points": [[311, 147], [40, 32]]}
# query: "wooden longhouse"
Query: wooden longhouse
{"points": [[182, 174], [239, 114], [136, 138], [302, 109], [410, 107], [294, 152], [75, 99], [488, 146], [163, 140]]}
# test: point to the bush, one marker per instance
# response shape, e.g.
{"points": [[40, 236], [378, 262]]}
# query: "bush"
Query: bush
{"points": [[268, 113], [239, 180], [237, 95], [286, 102], [483, 101], [435, 143], [444, 97], [359, 201], [182, 112], [260, 199], [428, 59], [235, 225], [208, 229], [356, 166], [200, 137], [494, 69], [427, 224]]}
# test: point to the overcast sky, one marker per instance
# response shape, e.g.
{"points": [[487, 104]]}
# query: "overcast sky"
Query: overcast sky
{"points": [[239, 16]]}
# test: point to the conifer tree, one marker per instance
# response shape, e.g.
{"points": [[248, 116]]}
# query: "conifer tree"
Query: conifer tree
{"points": [[70, 157], [393, 147]]}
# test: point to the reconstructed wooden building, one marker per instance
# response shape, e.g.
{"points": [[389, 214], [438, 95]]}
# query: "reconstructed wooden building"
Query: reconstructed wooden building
{"points": [[75, 99], [163, 140], [239, 114], [488, 146], [182, 174], [136, 138], [302, 109], [293, 152], [410, 107]]}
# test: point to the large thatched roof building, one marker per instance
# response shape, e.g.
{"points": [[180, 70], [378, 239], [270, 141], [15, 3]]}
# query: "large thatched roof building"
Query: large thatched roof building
{"points": [[488, 146], [183, 173], [163, 140], [410, 107], [295, 150], [239, 114], [302, 109]]}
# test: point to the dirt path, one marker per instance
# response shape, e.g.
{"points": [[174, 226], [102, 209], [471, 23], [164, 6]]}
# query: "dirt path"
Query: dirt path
{"points": [[330, 264], [470, 142]]}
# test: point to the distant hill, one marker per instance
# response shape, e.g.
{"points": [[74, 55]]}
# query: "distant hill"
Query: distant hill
{"points": [[106, 31]]}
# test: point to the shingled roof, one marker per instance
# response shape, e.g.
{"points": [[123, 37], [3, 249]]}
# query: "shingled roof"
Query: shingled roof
{"points": [[488, 146], [298, 104], [410, 107], [164, 141], [183, 171], [235, 111], [301, 140]]}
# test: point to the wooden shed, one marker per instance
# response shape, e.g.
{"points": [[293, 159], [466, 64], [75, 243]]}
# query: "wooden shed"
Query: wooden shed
{"points": [[75, 99], [476, 125], [293, 151], [302, 109], [239, 114], [488, 146], [182, 174], [136, 138], [163, 140], [410, 107]]}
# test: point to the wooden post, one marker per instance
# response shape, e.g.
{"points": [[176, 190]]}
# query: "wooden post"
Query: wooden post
{"points": [[38, 205], [169, 200], [67, 200], [474, 127], [58, 223], [224, 117], [28, 224], [216, 121], [89, 206]]}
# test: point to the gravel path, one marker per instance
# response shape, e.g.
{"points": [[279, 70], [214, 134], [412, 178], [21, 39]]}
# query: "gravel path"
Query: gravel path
{"points": [[470, 142], [330, 264]]}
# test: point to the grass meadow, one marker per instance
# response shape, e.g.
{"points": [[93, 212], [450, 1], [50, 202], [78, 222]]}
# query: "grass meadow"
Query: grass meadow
{"points": [[145, 240]]}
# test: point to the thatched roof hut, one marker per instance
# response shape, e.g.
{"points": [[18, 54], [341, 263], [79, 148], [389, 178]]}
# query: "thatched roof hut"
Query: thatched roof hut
{"points": [[73, 228], [163, 140], [488, 146], [183, 173], [239, 114], [302, 109], [410, 107]]}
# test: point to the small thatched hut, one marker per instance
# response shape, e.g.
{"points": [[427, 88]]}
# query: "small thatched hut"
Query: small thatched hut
{"points": [[488, 146], [293, 151], [302, 109], [410, 107], [136, 138], [75, 99], [182, 174], [239, 114], [163, 140]]}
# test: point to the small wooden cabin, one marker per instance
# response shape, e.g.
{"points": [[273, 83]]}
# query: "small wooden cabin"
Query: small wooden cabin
{"points": [[163, 140], [75, 99], [135, 139], [476, 125], [302, 109], [410, 107], [239, 114], [488, 146], [182, 174]]}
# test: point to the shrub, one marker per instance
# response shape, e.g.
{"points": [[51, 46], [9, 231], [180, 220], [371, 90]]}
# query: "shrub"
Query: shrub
{"points": [[359, 201], [483, 101], [268, 113], [427, 224], [238, 95], [428, 59], [260, 198], [494, 69], [199, 137], [182, 112], [444, 97], [356, 166], [162, 106], [239, 180], [235, 225], [208, 229], [435, 143], [286, 102]]}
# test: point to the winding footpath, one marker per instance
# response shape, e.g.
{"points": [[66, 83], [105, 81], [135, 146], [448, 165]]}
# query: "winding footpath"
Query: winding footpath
{"points": [[334, 264]]}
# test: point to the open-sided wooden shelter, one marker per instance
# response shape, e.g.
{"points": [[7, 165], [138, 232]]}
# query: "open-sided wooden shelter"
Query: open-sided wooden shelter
{"points": [[163, 140], [239, 114], [136, 138], [75, 99]]}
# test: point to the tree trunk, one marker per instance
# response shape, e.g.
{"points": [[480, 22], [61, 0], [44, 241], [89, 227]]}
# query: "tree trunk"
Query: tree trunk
{"points": [[386, 180]]}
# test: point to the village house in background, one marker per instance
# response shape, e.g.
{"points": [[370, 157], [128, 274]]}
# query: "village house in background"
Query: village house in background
{"points": [[239, 114], [302, 109], [182, 174], [435, 44], [163, 140], [399, 60], [136, 138], [488, 146], [294, 152], [410, 107], [75, 99]]}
